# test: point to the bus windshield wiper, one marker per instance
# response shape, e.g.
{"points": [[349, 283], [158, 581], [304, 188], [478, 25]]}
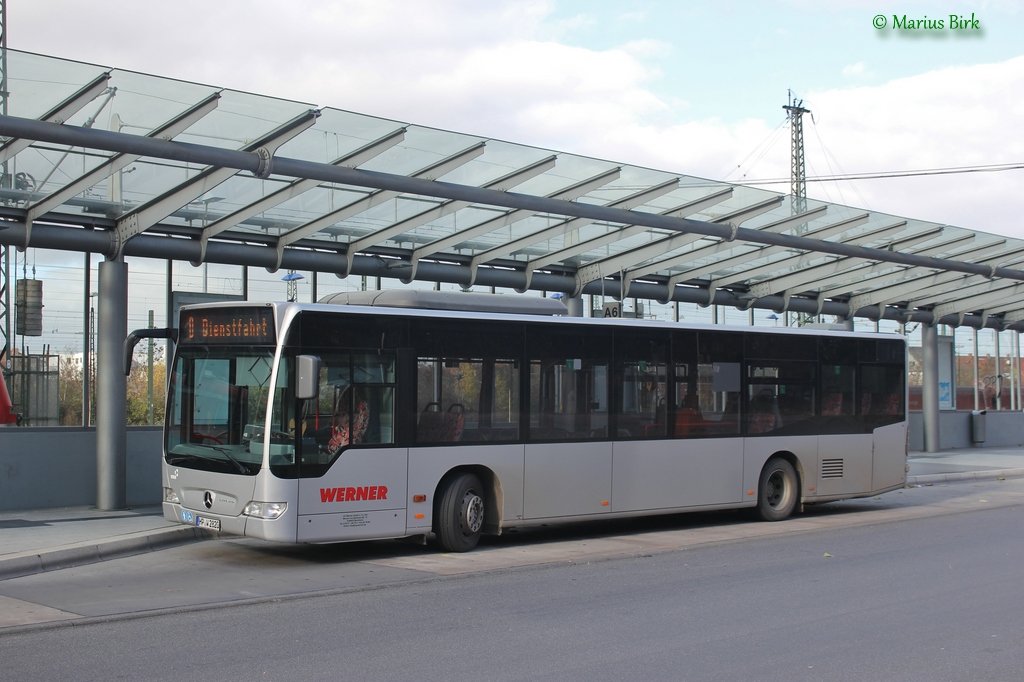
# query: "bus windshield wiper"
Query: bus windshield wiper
{"points": [[242, 469], [179, 458]]}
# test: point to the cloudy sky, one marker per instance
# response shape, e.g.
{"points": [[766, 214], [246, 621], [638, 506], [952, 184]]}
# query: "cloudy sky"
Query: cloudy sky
{"points": [[689, 87]]}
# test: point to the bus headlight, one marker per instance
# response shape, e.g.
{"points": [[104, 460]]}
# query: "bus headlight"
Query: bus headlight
{"points": [[265, 510], [171, 496]]}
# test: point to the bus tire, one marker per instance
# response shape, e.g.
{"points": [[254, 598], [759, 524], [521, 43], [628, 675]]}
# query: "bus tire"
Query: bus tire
{"points": [[460, 514], [777, 490]]}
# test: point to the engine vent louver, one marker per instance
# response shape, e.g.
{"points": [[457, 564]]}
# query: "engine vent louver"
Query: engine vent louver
{"points": [[831, 468]]}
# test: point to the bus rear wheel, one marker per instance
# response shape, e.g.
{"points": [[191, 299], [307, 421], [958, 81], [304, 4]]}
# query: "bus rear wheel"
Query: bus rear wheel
{"points": [[777, 490], [460, 514]]}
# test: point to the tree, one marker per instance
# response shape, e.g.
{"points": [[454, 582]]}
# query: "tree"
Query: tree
{"points": [[69, 393], [137, 407], [138, 389]]}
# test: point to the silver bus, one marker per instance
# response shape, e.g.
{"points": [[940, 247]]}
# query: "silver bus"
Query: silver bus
{"points": [[424, 414]]}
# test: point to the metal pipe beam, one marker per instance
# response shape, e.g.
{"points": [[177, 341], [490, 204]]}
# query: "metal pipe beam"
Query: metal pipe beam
{"points": [[261, 166]]}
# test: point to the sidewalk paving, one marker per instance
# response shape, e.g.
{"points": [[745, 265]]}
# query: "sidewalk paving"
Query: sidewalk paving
{"points": [[965, 464], [37, 540]]}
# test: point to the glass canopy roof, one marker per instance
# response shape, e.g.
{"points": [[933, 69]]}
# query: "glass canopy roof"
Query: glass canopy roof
{"points": [[80, 185]]}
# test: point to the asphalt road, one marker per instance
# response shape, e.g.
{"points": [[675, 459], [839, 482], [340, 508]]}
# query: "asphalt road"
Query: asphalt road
{"points": [[924, 584]]}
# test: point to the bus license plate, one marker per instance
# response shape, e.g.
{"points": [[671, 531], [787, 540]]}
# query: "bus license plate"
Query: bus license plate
{"points": [[211, 524]]}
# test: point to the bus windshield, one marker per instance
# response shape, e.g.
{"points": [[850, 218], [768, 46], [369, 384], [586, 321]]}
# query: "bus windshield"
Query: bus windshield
{"points": [[217, 409]]}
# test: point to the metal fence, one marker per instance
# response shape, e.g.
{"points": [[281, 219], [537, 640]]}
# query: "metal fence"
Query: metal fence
{"points": [[34, 384]]}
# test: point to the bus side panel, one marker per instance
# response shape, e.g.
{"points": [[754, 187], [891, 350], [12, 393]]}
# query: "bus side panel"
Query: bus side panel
{"points": [[427, 466], [567, 479], [890, 456], [362, 495], [344, 526], [844, 464], [676, 473], [757, 451]]}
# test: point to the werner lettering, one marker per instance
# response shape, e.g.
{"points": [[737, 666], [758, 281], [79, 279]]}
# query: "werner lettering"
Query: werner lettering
{"points": [[369, 492]]}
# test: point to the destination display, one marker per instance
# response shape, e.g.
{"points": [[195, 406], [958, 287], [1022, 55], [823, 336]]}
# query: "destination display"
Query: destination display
{"points": [[227, 326]]}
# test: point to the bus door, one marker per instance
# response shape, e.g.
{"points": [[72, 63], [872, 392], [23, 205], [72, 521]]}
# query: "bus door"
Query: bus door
{"points": [[352, 477]]}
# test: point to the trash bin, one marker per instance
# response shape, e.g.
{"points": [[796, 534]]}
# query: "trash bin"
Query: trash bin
{"points": [[978, 426]]}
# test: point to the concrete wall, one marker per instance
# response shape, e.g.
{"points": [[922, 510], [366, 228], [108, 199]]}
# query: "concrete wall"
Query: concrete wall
{"points": [[56, 467], [1002, 429]]}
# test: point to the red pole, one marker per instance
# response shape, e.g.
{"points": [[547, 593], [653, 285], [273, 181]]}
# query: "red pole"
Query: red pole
{"points": [[6, 416]]}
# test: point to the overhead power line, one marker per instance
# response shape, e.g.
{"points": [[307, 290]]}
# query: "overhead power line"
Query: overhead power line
{"points": [[993, 168]]}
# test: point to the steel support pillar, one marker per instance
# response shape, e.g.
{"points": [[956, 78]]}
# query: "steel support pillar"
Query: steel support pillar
{"points": [[998, 374], [977, 374], [930, 386], [1017, 370], [86, 337], [574, 304], [112, 387], [1013, 372]]}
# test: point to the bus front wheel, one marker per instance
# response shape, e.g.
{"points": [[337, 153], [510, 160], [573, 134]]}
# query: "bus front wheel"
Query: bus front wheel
{"points": [[460, 514], [777, 490]]}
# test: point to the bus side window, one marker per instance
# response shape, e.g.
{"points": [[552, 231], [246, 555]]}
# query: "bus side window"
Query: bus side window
{"points": [[568, 399], [642, 387], [373, 378], [719, 373], [449, 390], [467, 400], [881, 394], [356, 402], [719, 396]]}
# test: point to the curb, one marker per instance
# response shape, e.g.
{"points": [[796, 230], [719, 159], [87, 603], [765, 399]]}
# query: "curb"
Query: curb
{"points": [[959, 477], [95, 551]]}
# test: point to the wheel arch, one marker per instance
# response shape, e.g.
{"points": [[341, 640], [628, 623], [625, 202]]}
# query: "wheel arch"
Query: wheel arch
{"points": [[494, 497]]}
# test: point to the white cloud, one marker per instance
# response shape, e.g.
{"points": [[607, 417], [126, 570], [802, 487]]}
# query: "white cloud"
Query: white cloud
{"points": [[858, 70], [962, 116]]}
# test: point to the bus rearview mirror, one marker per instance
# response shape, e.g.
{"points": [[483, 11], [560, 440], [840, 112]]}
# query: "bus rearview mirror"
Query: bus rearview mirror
{"points": [[307, 383]]}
